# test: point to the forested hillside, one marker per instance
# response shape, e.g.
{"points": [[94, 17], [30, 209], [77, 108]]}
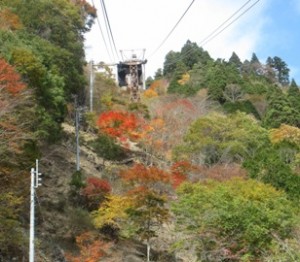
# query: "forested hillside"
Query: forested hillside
{"points": [[206, 167]]}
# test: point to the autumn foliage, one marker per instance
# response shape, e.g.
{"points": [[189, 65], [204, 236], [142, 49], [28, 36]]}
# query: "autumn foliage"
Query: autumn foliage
{"points": [[149, 93], [91, 248], [144, 176], [121, 124], [285, 133], [95, 191], [10, 80], [9, 20], [179, 171], [95, 186]]}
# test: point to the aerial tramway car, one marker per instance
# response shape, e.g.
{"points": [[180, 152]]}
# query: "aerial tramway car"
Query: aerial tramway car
{"points": [[131, 75]]}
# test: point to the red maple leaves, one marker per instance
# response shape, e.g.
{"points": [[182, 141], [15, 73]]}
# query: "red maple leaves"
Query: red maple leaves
{"points": [[120, 124], [10, 80]]}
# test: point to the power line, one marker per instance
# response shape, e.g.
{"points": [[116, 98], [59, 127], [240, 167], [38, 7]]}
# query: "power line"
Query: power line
{"points": [[102, 34], [108, 29], [215, 32], [172, 30]]}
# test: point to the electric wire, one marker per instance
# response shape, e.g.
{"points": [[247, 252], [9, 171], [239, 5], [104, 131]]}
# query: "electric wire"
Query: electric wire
{"points": [[102, 34], [172, 30], [109, 30], [216, 32]]}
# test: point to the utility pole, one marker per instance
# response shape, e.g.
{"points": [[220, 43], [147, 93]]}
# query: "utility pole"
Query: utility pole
{"points": [[91, 65], [35, 183], [77, 119]]}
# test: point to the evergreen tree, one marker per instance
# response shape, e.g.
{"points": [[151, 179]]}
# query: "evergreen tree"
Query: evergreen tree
{"points": [[171, 60], [158, 74], [175, 86], [235, 60], [255, 65], [294, 96], [254, 59], [282, 70], [280, 111], [218, 76], [191, 54], [277, 70]]}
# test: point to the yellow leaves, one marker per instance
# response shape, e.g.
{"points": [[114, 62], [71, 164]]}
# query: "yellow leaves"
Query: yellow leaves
{"points": [[111, 210], [184, 79], [286, 133], [150, 93]]}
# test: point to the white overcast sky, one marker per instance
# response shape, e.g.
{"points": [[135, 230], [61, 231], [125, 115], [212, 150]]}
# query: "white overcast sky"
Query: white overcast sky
{"points": [[143, 24]]}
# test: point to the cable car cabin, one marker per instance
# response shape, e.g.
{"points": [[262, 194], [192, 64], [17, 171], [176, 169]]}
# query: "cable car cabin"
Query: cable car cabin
{"points": [[126, 75]]}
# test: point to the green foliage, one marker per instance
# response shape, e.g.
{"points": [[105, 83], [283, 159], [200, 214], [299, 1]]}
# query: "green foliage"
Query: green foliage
{"points": [[233, 220], [106, 147], [256, 84], [218, 138], [11, 236], [284, 251], [77, 180], [218, 76], [140, 109], [280, 110], [267, 166], [243, 106], [79, 221], [192, 54], [279, 69], [235, 60], [170, 63], [294, 96], [48, 53]]}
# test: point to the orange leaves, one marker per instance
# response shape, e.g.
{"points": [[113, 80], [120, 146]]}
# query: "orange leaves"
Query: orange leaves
{"points": [[140, 174], [96, 186], [10, 80], [120, 125], [149, 93], [180, 171], [91, 248], [9, 20]]}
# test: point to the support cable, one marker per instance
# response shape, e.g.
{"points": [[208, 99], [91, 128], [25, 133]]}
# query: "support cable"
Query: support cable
{"points": [[172, 30], [208, 39], [227, 20], [215, 32], [102, 34], [109, 26]]}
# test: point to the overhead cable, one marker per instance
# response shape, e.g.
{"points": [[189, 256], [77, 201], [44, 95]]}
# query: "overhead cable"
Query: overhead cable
{"points": [[219, 29], [102, 34], [227, 20], [208, 39], [108, 28], [172, 30]]}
